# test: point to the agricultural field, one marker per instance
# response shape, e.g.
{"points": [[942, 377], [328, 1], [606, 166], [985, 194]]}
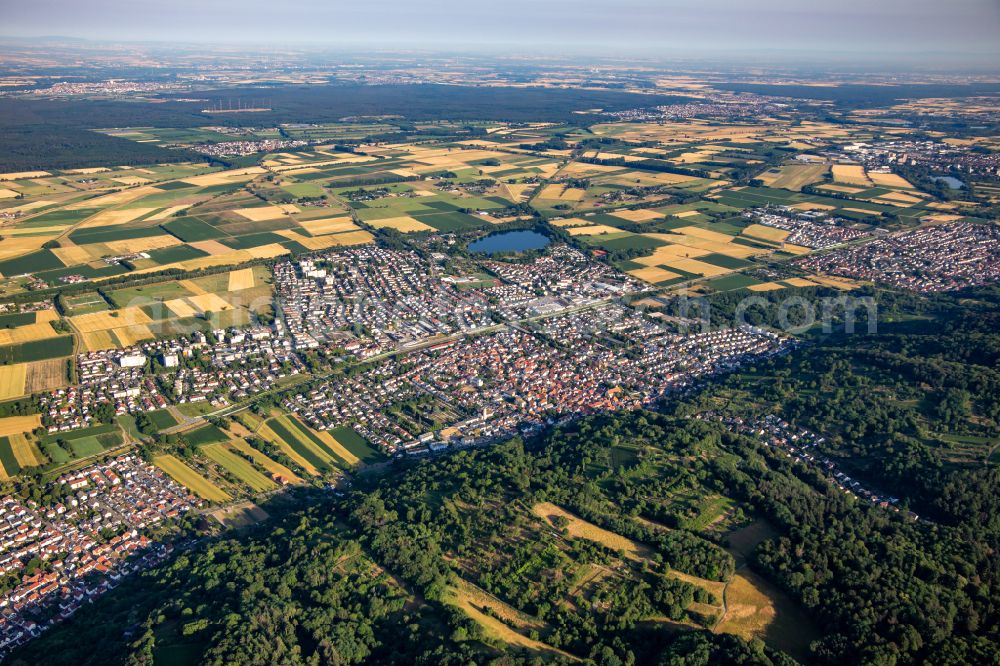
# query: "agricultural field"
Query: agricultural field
{"points": [[188, 477], [315, 451], [238, 466]]}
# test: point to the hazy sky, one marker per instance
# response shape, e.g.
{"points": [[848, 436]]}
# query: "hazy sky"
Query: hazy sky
{"points": [[873, 26]]}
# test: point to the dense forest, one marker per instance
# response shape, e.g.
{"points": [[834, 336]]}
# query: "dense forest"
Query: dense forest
{"points": [[54, 134]]}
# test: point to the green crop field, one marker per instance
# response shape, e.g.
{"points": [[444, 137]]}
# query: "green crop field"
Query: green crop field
{"points": [[37, 350], [190, 479], [161, 419], [300, 442], [238, 467], [207, 434], [190, 229], [356, 444]]}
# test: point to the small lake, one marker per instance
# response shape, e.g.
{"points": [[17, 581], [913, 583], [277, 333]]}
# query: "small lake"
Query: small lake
{"points": [[510, 241], [950, 181]]}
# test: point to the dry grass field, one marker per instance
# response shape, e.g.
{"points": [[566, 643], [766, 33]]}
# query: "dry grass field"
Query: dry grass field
{"points": [[579, 528], [472, 601]]}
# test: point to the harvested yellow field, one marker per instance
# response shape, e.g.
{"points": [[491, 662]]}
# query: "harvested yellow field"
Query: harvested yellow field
{"points": [[404, 224], [142, 244], [31, 231], [13, 247], [72, 255], [18, 175], [45, 375], [795, 249], [794, 176], [12, 380], [684, 213], [908, 199], [765, 232], [190, 479], [98, 340], [329, 225], [89, 170], [641, 215], [710, 245], [808, 205], [102, 321], [653, 274], [17, 425], [209, 302], [593, 230], [27, 333], [260, 214], [851, 174], [192, 287], [668, 253], [24, 208], [26, 453], [212, 247], [181, 308], [561, 193], [800, 282], [114, 198], [697, 267], [132, 180], [570, 222], [842, 188], [46, 315], [167, 212], [130, 335], [707, 234], [114, 217], [844, 284], [580, 528], [889, 180], [766, 286], [224, 177], [8, 194], [353, 238], [241, 279], [268, 251]]}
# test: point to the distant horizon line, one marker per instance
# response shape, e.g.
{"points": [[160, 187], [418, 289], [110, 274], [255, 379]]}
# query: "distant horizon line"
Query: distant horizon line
{"points": [[565, 49]]}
